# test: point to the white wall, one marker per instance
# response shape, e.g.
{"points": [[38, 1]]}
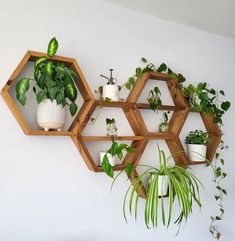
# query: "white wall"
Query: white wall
{"points": [[46, 191]]}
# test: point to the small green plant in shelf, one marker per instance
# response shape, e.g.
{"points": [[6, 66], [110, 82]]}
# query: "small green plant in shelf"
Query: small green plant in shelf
{"points": [[154, 99], [163, 127], [208, 100], [182, 185], [111, 127], [116, 150], [54, 87], [197, 142]]}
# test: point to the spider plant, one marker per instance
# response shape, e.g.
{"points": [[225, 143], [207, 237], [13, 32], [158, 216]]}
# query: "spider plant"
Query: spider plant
{"points": [[183, 189]]}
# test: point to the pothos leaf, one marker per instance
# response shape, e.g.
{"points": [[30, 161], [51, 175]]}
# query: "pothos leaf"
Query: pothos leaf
{"points": [[21, 88], [49, 67], [106, 166], [52, 47], [162, 68], [41, 95], [225, 105], [39, 61], [128, 169]]}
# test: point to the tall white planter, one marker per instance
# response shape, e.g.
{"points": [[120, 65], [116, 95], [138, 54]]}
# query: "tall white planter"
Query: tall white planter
{"points": [[110, 158], [197, 152], [50, 115], [111, 92], [163, 184]]}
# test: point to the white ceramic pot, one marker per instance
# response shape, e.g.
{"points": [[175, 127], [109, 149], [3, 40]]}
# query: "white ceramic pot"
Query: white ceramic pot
{"points": [[196, 152], [162, 184], [110, 158], [50, 115], [111, 92]]}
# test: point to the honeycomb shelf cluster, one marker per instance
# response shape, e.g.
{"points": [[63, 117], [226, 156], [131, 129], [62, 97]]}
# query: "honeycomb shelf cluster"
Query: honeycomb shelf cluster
{"points": [[131, 108]]}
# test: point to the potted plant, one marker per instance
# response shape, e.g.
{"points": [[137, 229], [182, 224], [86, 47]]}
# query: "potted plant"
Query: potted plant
{"points": [[154, 98], [116, 150], [163, 127], [197, 145], [183, 188], [110, 91], [111, 127], [54, 87]]}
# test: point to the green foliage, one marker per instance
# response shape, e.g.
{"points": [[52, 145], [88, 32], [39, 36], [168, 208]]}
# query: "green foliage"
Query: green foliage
{"points": [[197, 137], [118, 151], [183, 189], [205, 99], [53, 80], [154, 98], [148, 67], [219, 176], [110, 121]]}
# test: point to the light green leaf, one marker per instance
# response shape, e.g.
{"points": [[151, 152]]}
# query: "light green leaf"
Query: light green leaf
{"points": [[52, 47], [71, 91], [107, 167], [128, 169], [39, 61], [73, 108], [21, 88], [49, 67]]}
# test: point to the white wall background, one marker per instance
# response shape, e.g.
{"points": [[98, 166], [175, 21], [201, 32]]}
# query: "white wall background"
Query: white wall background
{"points": [[46, 191]]}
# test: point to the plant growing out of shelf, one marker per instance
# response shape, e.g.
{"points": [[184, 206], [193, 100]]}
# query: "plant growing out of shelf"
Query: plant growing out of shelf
{"points": [[197, 142], [164, 124], [154, 99], [183, 187], [116, 150], [54, 88], [208, 100], [219, 176], [111, 127]]}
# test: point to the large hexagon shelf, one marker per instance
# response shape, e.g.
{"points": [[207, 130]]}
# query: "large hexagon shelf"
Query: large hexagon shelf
{"points": [[87, 96]]}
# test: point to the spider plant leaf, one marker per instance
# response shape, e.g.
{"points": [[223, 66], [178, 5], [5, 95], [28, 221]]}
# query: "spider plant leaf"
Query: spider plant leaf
{"points": [[52, 47], [21, 88]]}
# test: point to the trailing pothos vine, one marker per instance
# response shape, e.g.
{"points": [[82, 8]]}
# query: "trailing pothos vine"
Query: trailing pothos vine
{"points": [[219, 176]]}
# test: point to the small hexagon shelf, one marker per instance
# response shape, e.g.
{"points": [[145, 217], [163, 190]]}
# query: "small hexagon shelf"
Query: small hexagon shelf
{"points": [[215, 137], [138, 140], [81, 84]]}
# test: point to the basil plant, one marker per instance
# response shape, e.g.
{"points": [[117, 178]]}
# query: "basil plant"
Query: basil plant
{"points": [[52, 80]]}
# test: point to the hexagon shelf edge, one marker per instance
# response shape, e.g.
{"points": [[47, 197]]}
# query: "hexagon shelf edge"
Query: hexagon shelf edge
{"points": [[81, 84]]}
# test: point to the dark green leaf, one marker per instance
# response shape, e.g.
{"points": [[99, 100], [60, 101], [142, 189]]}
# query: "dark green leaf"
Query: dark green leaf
{"points": [[73, 108], [21, 88], [225, 105], [144, 60], [222, 161], [39, 61], [53, 91], [71, 91], [52, 47], [41, 95], [128, 169], [138, 71], [107, 167], [60, 99], [162, 67], [222, 92]]}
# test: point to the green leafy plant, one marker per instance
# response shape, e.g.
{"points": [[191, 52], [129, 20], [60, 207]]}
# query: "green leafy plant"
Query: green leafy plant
{"points": [[219, 176], [197, 137], [183, 188], [148, 67], [208, 100], [115, 150], [52, 80], [154, 98], [163, 126], [110, 121]]}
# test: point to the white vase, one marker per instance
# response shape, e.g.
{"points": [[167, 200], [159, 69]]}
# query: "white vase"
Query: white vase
{"points": [[196, 152], [50, 115], [111, 92], [110, 158], [162, 184]]}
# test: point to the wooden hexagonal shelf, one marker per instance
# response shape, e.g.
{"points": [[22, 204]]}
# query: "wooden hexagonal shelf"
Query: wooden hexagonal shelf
{"points": [[81, 84], [138, 139], [215, 137]]}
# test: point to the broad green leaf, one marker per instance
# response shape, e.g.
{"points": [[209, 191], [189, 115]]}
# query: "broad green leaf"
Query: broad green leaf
{"points": [[52, 47], [21, 88], [73, 108], [107, 167], [162, 67], [71, 91], [41, 95], [49, 67], [128, 169], [144, 60], [60, 99], [130, 149], [225, 105], [222, 92], [138, 71], [52, 91], [39, 61]]}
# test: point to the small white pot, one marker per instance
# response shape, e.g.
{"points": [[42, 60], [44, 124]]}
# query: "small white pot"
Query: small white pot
{"points": [[50, 115], [110, 158], [162, 184], [111, 92], [196, 152]]}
